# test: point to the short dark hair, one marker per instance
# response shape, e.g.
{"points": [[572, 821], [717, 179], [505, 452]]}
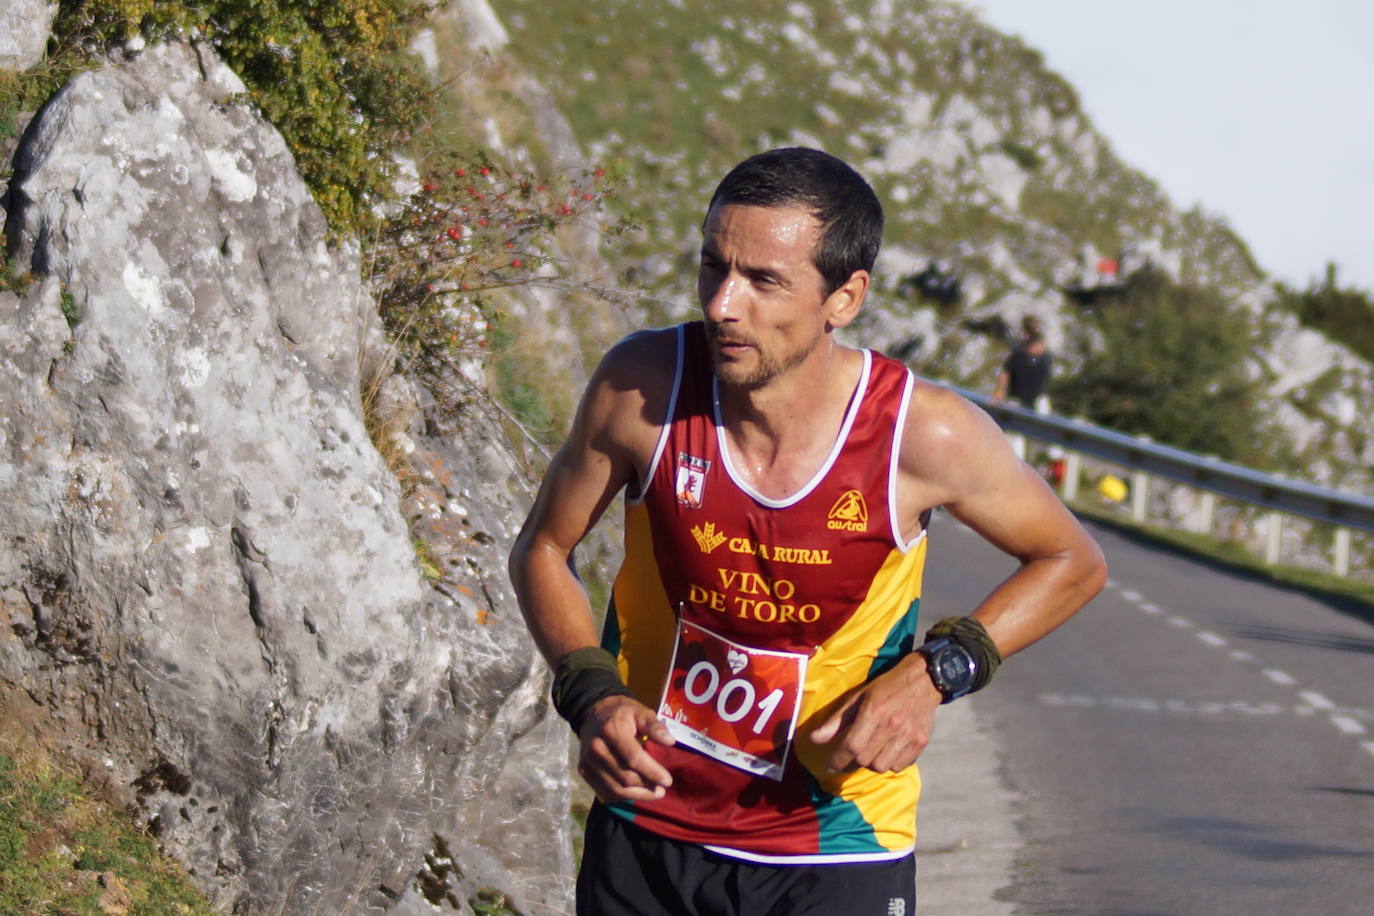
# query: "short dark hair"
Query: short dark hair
{"points": [[849, 213]]}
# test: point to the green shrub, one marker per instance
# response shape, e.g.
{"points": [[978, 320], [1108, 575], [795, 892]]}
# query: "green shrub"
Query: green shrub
{"points": [[1345, 314], [1168, 361], [334, 76]]}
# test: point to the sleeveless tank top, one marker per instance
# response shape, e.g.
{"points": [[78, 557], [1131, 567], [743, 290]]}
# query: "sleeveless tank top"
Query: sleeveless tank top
{"points": [[823, 574]]}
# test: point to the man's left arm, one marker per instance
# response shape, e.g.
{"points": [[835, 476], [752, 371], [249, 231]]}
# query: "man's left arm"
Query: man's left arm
{"points": [[954, 455]]}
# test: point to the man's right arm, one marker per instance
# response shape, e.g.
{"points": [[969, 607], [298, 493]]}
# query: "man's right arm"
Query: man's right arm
{"points": [[610, 445]]}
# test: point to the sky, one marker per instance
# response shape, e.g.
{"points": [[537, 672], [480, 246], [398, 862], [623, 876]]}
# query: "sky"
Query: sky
{"points": [[1259, 111]]}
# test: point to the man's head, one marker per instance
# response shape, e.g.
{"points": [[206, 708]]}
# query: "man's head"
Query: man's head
{"points": [[848, 211]]}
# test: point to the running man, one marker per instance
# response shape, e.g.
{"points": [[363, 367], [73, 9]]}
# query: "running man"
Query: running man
{"points": [[751, 714]]}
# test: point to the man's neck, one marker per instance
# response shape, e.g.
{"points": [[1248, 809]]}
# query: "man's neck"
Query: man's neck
{"points": [[780, 434]]}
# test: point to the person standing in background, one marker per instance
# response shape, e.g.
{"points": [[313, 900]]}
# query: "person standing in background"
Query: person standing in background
{"points": [[1026, 371]]}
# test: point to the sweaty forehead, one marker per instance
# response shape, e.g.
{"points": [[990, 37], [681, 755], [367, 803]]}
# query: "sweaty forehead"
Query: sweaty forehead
{"points": [[791, 227]]}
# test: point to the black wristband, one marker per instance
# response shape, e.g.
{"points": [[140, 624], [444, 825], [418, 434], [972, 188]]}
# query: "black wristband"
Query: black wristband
{"points": [[973, 638], [584, 677]]}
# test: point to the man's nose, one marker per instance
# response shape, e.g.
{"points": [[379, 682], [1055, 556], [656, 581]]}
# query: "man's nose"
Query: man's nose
{"points": [[721, 301]]}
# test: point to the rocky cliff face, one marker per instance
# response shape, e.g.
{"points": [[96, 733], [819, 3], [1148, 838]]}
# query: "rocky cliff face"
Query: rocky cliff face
{"points": [[209, 589]]}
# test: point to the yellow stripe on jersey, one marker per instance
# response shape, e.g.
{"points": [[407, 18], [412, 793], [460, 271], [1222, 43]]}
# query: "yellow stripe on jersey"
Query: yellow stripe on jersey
{"points": [[844, 661], [647, 624]]}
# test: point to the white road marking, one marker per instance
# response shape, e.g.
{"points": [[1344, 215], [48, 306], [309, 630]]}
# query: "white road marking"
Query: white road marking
{"points": [[1346, 721], [1347, 725], [1316, 699]]}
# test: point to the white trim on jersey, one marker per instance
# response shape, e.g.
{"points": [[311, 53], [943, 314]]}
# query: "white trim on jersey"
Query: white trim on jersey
{"points": [[667, 420], [860, 391]]}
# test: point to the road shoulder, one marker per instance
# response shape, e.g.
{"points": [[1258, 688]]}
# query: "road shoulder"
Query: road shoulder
{"points": [[968, 843]]}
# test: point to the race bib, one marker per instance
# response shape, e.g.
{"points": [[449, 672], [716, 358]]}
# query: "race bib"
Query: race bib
{"points": [[731, 702]]}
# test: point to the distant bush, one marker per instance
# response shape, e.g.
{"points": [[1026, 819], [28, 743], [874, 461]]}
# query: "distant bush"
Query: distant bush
{"points": [[1168, 361], [1345, 314]]}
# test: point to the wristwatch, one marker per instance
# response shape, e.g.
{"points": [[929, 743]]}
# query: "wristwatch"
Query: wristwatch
{"points": [[950, 666]]}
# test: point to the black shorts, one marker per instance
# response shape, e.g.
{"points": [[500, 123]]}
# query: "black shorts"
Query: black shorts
{"points": [[628, 871]]}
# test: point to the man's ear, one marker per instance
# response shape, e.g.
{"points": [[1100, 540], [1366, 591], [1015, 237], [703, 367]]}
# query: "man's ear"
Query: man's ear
{"points": [[843, 305]]}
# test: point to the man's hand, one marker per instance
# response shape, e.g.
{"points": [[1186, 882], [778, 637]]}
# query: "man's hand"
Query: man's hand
{"points": [[612, 759], [884, 725]]}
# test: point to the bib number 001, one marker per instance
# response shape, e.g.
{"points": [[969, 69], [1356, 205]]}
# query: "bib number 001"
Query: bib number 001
{"points": [[733, 702], [723, 695]]}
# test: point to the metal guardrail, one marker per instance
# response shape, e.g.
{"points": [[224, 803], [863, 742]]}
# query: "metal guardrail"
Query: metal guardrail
{"points": [[1211, 475]]}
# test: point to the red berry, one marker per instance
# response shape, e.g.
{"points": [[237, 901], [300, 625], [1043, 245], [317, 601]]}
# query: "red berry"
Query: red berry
{"points": [[486, 171], [454, 232], [515, 263], [460, 172]]}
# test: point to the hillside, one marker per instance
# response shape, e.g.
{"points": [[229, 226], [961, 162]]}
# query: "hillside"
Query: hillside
{"points": [[1002, 198]]}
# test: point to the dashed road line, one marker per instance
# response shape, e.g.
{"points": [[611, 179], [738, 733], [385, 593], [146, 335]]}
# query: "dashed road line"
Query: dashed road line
{"points": [[1312, 698], [1346, 721], [1347, 725]]}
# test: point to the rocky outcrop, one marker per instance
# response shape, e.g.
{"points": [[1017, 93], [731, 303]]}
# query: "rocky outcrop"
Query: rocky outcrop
{"points": [[209, 585], [24, 28]]}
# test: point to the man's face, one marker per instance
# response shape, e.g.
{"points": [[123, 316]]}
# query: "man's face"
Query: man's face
{"points": [[763, 298]]}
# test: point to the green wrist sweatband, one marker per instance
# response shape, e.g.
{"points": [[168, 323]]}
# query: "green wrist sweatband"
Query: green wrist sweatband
{"points": [[974, 639], [582, 678]]}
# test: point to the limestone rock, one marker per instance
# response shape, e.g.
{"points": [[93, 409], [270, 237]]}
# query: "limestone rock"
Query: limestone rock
{"points": [[24, 27], [209, 584]]}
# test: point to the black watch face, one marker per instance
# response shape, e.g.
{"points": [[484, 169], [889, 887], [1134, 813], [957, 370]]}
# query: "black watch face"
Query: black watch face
{"points": [[952, 667]]}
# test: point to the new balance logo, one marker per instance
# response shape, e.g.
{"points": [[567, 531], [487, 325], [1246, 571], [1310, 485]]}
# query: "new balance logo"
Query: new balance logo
{"points": [[896, 907]]}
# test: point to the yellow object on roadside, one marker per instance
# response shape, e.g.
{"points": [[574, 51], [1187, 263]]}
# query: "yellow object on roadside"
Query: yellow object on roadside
{"points": [[1112, 487]]}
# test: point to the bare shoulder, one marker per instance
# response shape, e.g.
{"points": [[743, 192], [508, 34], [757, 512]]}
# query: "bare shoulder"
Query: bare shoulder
{"points": [[627, 397], [950, 446]]}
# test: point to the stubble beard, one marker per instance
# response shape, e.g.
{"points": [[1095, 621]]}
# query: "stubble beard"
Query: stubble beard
{"points": [[766, 370]]}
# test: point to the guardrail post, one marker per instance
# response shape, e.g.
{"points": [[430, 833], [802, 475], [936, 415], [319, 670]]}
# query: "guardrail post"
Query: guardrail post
{"points": [[1273, 530], [1206, 508], [1140, 491], [1340, 561], [1071, 472]]}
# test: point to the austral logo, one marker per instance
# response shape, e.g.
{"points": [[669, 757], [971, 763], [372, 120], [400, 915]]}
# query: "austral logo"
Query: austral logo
{"points": [[708, 538], [850, 513]]}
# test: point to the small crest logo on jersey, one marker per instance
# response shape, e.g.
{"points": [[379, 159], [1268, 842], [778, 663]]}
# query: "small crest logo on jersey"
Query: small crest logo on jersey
{"points": [[690, 483], [850, 513], [708, 538]]}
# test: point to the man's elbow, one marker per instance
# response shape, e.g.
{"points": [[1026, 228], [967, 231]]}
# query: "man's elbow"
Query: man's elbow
{"points": [[1094, 571]]}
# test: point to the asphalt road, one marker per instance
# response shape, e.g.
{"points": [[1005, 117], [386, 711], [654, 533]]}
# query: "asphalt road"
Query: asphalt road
{"points": [[1194, 742]]}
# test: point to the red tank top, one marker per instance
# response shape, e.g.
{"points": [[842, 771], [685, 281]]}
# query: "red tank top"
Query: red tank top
{"points": [[821, 575]]}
